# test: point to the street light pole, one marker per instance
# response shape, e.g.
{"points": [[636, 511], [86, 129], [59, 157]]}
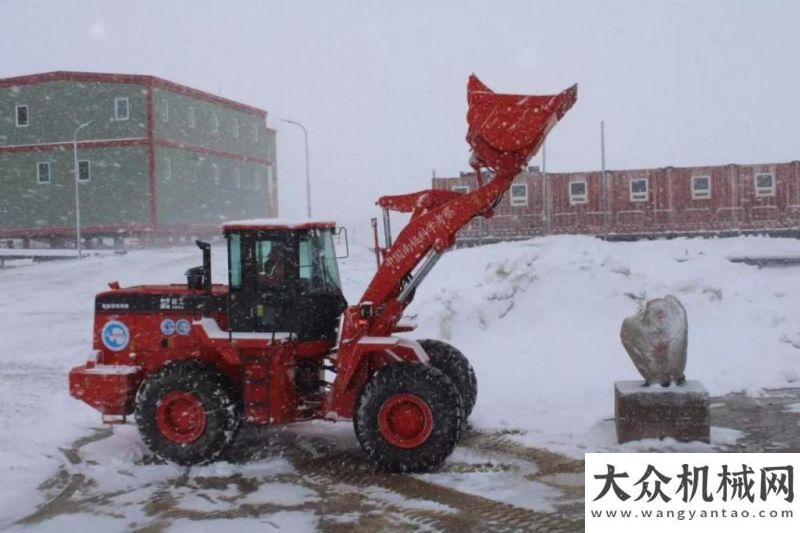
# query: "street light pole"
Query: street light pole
{"points": [[77, 188], [308, 175]]}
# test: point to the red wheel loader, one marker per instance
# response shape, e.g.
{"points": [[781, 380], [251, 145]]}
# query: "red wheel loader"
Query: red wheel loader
{"points": [[195, 361]]}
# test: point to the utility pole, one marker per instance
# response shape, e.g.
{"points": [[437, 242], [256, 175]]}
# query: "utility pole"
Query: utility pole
{"points": [[545, 220], [604, 179], [308, 175], [77, 188]]}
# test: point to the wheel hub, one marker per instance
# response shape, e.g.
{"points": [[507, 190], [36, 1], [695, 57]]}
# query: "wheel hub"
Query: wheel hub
{"points": [[180, 417], [405, 421]]}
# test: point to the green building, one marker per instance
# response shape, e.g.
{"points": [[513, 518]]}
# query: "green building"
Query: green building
{"points": [[157, 160]]}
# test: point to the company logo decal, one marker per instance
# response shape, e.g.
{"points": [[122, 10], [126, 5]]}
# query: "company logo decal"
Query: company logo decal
{"points": [[183, 326], [115, 335], [168, 326]]}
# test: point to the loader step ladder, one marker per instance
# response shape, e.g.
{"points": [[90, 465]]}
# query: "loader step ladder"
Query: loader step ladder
{"points": [[256, 389]]}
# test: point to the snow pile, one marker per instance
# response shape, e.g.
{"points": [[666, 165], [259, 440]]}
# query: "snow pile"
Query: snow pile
{"points": [[540, 320]]}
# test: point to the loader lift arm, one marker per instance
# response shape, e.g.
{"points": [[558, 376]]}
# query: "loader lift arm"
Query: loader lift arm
{"points": [[505, 131]]}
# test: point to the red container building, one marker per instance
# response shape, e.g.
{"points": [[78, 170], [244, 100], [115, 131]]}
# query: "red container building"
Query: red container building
{"points": [[642, 203]]}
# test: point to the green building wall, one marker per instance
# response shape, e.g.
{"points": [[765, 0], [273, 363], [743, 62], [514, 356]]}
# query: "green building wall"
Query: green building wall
{"points": [[189, 194], [118, 195], [171, 121], [56, 108]]}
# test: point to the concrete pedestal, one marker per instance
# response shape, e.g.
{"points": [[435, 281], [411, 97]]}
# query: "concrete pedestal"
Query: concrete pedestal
{"points": [[655, 412]]}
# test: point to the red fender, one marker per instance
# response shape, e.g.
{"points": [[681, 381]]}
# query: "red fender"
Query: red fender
{"points": [[353, 370]]}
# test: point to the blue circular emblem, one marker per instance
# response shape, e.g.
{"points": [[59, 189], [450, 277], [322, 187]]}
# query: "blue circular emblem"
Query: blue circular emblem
{"points": [[115, 335], [183, 326], [168, 326]]}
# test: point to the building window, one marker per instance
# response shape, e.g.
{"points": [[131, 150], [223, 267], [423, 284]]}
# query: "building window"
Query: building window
{"points": [[519, 194], [214, 122], [121, 109], [84, 171], [215, 173], [255, 132], [165, 110], [701, 187], [578, 192], [639, 190], [236, 127], [192, 121], [167, 169], [462, 189], [765, 185], [256, 180], [22, 116], [237, 178], [43, 172]]}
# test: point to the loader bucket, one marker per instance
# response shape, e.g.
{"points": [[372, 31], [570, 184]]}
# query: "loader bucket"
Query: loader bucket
{"points": [[506, 130]]}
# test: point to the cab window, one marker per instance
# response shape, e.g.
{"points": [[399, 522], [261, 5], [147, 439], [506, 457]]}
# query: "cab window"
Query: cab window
{"points": [[318, 269], [235, 258], [273, 264]]}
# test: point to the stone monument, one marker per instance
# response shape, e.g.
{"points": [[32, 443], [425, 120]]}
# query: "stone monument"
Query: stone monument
{"points": [[665, 404]]}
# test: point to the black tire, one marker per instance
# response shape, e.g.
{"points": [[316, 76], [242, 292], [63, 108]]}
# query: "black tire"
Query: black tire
{"points": [[455, 366], [425, 383], [220, 407]]}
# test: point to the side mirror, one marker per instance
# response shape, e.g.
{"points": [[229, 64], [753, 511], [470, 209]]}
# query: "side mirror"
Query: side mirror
{"points": [[338, 233]]}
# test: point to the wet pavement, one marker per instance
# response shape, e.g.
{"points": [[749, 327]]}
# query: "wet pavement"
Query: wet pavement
{"points": [[316, 477]]}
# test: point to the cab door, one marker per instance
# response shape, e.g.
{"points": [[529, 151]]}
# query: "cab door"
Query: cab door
{"points": [[263, 280]]}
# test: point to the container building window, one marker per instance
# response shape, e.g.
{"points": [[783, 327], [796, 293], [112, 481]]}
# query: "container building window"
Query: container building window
{"points": [[121, 108], [639, 190], [22, 116], [167, 169], [463, 189], [43, 174], [765, 184], [192, 118], [519, 194], [701, 187], [165, 110], [215, 173], [578, 192], [84, 171], [236, 128], [214, 122]]}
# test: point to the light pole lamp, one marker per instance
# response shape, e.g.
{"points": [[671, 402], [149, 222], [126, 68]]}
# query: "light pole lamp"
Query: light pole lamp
{"points": [[308, 172], [77, 187]]}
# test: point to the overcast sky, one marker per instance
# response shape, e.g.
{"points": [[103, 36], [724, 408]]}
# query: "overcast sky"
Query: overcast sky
{"points": [[381, 85]]}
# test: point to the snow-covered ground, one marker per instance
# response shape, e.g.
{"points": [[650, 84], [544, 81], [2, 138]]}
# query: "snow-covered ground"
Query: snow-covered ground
{"points": [[539, 319]]}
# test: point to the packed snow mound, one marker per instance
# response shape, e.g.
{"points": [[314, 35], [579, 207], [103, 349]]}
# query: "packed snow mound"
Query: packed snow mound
{"points": [[540, 321]]}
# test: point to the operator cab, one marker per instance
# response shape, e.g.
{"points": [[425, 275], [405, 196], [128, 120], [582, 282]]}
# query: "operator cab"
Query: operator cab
{"points": [[284, 277]]}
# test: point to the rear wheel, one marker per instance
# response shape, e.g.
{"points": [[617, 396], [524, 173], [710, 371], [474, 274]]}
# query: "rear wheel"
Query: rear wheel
{"points": [[455, 366], [408, 417], [187, 413]]}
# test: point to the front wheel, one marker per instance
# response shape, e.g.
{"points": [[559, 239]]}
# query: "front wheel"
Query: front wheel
{"points": [[408, 417], [455, 366], [187, 413]]}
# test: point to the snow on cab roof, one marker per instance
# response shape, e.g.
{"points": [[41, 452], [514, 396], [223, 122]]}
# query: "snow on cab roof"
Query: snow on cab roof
{"points": [[277, 223]]}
